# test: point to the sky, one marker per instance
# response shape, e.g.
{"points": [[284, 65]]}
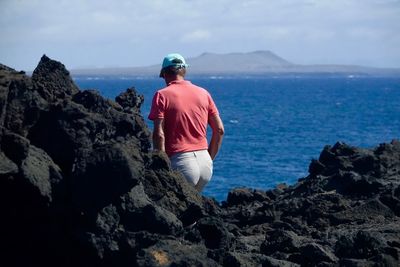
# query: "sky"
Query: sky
{"points": [[124, 33]]}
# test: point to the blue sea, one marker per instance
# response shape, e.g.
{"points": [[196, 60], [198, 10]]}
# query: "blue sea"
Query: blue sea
{"points": [[275, 125]]}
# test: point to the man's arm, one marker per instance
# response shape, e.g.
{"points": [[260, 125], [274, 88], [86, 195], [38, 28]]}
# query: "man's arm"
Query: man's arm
{"points": [[158, 135], [217, 134]]}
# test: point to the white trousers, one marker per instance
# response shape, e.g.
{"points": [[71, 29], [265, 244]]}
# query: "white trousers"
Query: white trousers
{"points": [[196, 166]]}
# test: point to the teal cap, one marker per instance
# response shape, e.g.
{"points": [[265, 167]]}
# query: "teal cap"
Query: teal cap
{"points": [[173, 60]]}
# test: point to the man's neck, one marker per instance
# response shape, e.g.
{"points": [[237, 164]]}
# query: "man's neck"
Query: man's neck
{"points": [[173, 78]]}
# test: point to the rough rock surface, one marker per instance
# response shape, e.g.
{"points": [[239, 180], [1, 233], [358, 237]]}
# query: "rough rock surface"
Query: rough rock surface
{"points": [[79, 186]]}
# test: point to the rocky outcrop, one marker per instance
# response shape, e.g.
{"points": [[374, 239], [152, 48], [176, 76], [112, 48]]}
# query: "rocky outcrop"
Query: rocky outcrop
{"points": [[80, 186], [346, 212]]}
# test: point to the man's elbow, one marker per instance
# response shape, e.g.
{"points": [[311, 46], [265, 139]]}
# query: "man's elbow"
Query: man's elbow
{"points": [[158, 136], [217, 126], [220, 131]]}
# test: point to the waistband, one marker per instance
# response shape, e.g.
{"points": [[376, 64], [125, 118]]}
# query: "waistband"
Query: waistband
{"points": [[189, 153]]}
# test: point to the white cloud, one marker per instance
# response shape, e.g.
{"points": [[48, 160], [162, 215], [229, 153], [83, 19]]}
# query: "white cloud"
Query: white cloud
{"points": [[137, 32], [195, 36]]}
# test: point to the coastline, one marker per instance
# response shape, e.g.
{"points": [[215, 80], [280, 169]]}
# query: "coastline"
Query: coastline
{"points": [[79, 182]]}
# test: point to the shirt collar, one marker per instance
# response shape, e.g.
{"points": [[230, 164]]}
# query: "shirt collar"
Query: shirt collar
{"points": [[179, 82]]}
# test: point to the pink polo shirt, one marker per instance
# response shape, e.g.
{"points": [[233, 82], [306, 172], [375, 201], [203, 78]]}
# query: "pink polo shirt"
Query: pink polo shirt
{"points": [[185, 109]]}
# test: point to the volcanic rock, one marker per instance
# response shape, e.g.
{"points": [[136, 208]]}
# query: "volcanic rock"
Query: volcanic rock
{"points": [[80, 186]]}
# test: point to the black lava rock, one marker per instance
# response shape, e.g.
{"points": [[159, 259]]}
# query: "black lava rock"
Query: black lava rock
{"points": [[79, 186]]}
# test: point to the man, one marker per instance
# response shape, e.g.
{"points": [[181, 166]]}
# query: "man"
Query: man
{"points": [[181, 112]]}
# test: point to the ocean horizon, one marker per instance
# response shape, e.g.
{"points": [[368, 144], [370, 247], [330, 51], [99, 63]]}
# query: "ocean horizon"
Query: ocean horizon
{"points": [[276, 124]]}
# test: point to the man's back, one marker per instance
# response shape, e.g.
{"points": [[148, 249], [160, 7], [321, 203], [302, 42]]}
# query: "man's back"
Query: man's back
{"points": [[181, 112], [185, 109]]}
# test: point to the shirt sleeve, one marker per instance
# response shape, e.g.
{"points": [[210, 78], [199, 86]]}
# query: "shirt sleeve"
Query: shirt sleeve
{"points": [[157, 107], [212, 108]]}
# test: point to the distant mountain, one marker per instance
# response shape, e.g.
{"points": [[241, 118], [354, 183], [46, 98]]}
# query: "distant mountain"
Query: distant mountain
{"points": [[259, 61], [256, 63]]}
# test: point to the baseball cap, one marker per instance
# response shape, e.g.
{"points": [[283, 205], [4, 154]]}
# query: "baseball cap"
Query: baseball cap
{"points": [[173, 60]]}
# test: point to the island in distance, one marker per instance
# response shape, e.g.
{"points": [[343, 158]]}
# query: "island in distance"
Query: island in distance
{"points": [[252, 63]]}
